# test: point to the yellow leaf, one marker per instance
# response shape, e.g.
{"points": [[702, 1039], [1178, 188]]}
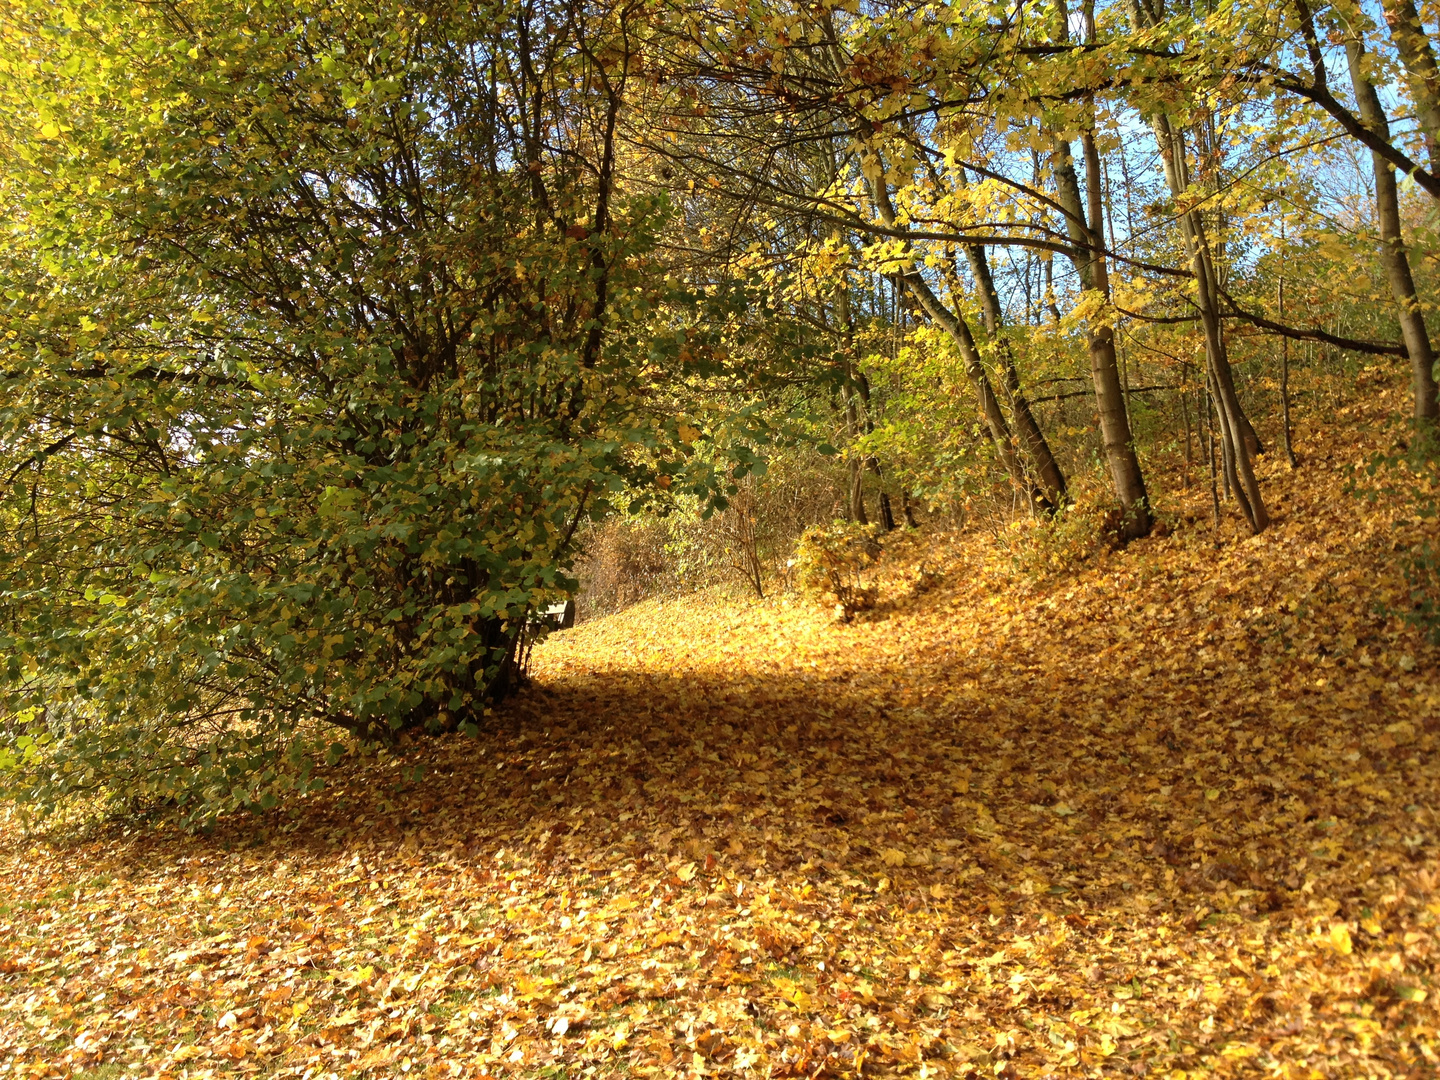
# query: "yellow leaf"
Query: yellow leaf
{"points": [[1340, 939], [686, 872], [892, 857], [50, 131]]}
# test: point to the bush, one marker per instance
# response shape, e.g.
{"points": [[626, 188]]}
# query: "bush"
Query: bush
{"points": [[1060, 542], [624, 561], [297, 427], [830, 562]]}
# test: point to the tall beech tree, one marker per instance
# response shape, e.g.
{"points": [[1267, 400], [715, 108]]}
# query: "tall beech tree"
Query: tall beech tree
{"points": [[1393, 255], [1238, 439]]}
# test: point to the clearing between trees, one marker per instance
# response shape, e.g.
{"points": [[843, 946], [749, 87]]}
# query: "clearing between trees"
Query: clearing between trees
{"points": [[1170, 812]]}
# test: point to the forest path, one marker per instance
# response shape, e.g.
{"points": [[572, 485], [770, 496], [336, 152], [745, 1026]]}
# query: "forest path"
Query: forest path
{"points": [[1170, 813]]}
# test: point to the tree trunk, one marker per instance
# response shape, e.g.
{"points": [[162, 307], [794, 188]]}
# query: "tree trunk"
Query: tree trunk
{"points": [[1051, 479], [1392, 246], [1413, 45], [1284, 357], [1185, 417], [908, 510], [856, 508], [1171, 142], [1125, 474], [958, 331], [1086, 232], [1050, 305], [867, 425], [1238, 439], [1210, 463], [887, 512]]}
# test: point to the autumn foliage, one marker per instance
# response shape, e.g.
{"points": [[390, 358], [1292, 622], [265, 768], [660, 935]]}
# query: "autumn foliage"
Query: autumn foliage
{"points": [[1169, 812], [995, 450]]}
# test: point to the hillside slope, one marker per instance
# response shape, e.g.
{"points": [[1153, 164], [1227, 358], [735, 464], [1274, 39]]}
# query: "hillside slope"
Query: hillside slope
{"points": [[1169, 813]]}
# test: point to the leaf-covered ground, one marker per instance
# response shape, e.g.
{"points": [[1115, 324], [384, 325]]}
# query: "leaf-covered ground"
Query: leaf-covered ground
{"points": [[1168, 814]]}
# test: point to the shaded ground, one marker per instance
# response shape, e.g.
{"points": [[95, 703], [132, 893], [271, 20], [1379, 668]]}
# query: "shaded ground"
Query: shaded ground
{"points": [[1171, 814]]}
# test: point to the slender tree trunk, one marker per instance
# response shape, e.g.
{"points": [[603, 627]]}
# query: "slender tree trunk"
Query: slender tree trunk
{"points": [[1413, 45], [1046, 299], [857, 492], [1171, 141], [1185, 416], [1087, 232], [867, 425], [1125, 474], [887, 512], [742, 516], [1227, 450], [857, 463], [1050, 305], [1029, 285], [1238, 438], [1210, 462], [1392, 246], [1037, 449], [1285, 402], [958, 331], [908, 510], [1284, 356], [852, 406]]}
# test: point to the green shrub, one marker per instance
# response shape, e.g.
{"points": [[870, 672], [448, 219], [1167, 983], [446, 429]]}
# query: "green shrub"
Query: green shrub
{"points": [[1057, 543], [298, 419], [830, 563]]}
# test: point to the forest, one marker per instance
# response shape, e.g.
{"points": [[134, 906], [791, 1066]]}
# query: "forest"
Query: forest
{"points": [[992, 450]]}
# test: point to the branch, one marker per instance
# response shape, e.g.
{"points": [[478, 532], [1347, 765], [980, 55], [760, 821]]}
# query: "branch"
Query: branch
{"points": [[1090, 393], [1374, 348], [1321, 96], [40, 455], [1167, 319]]}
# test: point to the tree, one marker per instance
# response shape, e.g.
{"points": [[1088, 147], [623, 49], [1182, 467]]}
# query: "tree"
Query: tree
{"points": [[1238, 437], [311, 369], [1392, 243]]}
